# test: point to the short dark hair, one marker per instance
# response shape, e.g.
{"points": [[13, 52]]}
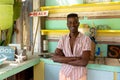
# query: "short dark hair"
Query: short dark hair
{"points": [[72, 15]]}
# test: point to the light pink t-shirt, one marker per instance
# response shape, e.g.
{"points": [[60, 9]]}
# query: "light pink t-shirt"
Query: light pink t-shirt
{"points": [[81, 44]]}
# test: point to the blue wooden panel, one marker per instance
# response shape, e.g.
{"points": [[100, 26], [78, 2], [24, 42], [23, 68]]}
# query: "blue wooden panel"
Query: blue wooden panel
{"points": [[100, 75], [52, 72], [118, 76]]}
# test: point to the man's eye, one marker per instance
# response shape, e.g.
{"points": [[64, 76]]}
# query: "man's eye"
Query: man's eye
{"points": [[76, 22], [72, 22]]}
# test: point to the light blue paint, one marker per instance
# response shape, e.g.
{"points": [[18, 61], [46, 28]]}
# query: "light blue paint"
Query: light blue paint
{"points": [[103, 48], [52, 72], [118, 76], [99, 75]]}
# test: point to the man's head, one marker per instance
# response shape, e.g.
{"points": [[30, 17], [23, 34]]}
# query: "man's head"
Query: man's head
{"points": [[73, 22]]}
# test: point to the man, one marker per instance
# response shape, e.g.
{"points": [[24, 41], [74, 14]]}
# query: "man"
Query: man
{"points": [[73, 51]]}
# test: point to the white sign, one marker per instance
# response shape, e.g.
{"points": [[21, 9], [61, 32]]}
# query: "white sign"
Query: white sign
{"points": [[38, 13]]}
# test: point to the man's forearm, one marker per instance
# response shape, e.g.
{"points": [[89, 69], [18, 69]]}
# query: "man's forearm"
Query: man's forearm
{"points": [[63, 59], [78, 63], [83, 61]]}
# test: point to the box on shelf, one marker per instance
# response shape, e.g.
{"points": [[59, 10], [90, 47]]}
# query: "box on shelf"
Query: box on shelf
{"points": [[8, 52]]}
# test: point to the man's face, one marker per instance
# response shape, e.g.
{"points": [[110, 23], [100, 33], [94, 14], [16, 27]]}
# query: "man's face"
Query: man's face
{"points": [[73, 24]]}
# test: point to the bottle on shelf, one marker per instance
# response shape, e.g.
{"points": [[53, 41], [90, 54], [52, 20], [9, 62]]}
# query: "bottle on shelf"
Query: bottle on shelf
{"points": [[45, 46]]}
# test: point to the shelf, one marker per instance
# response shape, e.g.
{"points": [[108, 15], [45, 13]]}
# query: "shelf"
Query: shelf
{"points": [[108, 42], [57, 32], [99, 32], [102, 36], [108, 33], [84, 7], [61, 32], [96, 9]]}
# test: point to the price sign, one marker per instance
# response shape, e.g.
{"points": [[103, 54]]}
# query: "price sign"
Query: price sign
{"points": [[38, 13]]}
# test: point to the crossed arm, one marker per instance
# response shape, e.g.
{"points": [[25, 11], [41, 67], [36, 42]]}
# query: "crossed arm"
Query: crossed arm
{"points": [[75, 61]]}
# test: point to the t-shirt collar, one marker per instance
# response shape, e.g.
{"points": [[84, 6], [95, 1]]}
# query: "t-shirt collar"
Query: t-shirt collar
{"points": [[79, 35]]}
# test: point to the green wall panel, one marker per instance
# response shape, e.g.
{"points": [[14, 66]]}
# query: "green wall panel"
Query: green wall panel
{"points": [[56, 24], [6, 16], [6, 1], [52, 46], [62, 2], [113, 23], [65, 2], [61, 24]]}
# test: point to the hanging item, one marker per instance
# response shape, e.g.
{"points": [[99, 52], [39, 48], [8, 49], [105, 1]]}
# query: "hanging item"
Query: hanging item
{"points": [[17, 8], [6, 15]]}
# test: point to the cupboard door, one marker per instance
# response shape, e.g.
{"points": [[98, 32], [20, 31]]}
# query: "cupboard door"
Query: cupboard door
{"points": [[100, 75], [52, 72]]}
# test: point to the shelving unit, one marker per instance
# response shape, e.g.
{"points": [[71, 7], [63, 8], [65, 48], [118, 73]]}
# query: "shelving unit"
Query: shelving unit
{"points": [[106, 9], [103, 36], [95, 10]]}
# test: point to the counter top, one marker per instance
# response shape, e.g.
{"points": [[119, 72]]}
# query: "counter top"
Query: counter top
{"points": [[89, 66], [104, 67], [49, 61], [9, 68]]}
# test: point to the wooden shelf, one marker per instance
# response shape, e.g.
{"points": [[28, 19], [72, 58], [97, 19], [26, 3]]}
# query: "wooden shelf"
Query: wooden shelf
{"points": [[108, 42], [99, 32], [61, 32], [102, 36], [108, 33], [106, 9], [57, 32]]}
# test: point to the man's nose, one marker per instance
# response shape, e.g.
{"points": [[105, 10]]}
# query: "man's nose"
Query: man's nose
{"points": [[72, 24]]}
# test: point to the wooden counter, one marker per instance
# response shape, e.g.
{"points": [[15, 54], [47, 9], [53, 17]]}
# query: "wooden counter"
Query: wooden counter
{"points": [[47, 69], [9, 68]]}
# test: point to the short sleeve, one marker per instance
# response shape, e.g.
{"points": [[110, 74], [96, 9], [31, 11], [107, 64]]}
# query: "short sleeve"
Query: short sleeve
{"points": [[87, 43]]}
